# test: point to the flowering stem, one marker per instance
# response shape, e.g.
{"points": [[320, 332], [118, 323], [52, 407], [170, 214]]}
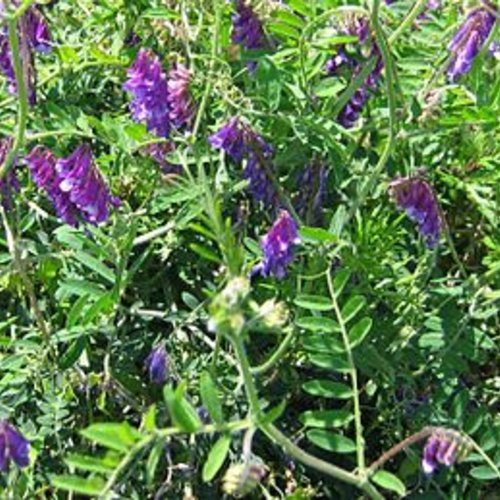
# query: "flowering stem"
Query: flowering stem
{"points": [[417, 8], [360, 445], [22, 112]]}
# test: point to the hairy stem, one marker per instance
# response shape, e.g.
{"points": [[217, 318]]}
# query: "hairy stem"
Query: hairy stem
{"points": [[360, 445]]}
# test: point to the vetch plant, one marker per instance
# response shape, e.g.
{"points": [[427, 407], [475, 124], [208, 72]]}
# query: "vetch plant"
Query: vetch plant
{"points": [[205, 288]]}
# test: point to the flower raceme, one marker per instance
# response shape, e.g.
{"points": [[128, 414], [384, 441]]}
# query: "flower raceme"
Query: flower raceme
{"points": [[13, 446], [247, 29], [358, 26], [74, 185], [277, 246], [241, 142], [469, 39], [159, 102], [444, 447], [417, 198]]}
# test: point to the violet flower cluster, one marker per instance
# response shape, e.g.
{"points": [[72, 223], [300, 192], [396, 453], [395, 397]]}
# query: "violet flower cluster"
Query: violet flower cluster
{"points": [[74, 185], [356, 26], [311, 183], [157, 365], [277, 246], [444, 447], [417, 198], [247, 29], [469, 39], [9, 182], [161, 103], [13, 446], [33, 34], [241, 142]]}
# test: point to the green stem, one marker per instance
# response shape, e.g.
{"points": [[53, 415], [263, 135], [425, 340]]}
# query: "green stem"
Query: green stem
{"points": [[360, 445], [275, 356], [417, 8], [22, 113]]}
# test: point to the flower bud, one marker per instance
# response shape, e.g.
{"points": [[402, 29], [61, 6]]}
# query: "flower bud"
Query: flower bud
{"points": [[242, 479]]}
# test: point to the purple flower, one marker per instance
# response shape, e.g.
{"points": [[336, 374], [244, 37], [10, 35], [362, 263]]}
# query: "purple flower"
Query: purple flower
{"points": [[13, 446], [148, 85], [247, 27], [469, 39], [417, 198], [85, 185], [355, 25], [277, 246], [241, 142], [247, 30], [179, 98], [10, 181], [74, 184], [312, 191], [157, 365], [231, 138], [444, 447], [38, 30]]}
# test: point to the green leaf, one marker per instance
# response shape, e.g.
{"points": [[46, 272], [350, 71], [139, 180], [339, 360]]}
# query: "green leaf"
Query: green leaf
{"points": [[119, 437], [316, 235], [340, 281], [204, 252], [327, 389], [484, 473], [313, 302], [72, 353], [153, 459], [317, 324], [183, 415], [91, 487], [95, 265], [92, 464], [330, 441], [274, 413], [330, 362], [389, 482], [216, 457], [323, 343], [359, 331], [352, 307], [326, 418], [210, 398]]}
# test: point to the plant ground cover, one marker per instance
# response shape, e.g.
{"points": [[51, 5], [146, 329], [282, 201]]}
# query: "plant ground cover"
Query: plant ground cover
{"points": [[249, 249]]}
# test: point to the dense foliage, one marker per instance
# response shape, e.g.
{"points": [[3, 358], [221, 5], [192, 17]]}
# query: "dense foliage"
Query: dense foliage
{"points": [[249, 248]]}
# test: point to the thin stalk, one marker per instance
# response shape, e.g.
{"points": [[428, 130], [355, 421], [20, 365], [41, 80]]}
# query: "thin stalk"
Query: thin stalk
{"points": [[275, 356], [360, 445], [22, 110], [417, 8], [414, 438]]}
